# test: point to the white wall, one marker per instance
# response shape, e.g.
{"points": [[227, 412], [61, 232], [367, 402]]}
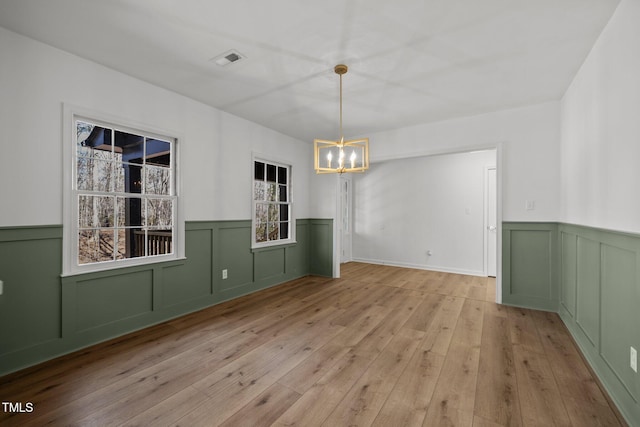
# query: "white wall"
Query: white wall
{"points": [[530, 141], [215, 147], [601, 130], [403, 208]]}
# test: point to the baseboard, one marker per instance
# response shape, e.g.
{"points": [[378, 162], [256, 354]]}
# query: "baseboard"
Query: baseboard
{"points": [[421, 266]]}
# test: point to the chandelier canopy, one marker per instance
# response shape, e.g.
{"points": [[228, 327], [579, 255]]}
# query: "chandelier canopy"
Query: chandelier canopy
{"points": [[341, 156]]}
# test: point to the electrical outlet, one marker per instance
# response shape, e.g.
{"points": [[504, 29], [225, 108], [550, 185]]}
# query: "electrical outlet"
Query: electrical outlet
{"points": [[224, 273], [633, 359]]}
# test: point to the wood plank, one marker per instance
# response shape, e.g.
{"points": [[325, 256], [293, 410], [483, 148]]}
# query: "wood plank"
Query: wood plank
{"points": [[584, 413], [379, 336], [454, 396], [307, 373], [265, 408], [361, 404], [243, 380], [540, 399], [572, 375], [441, 329], [426, 311], [165, 412], [408, 401], [497, 390], [313, 408], [523, 330]]}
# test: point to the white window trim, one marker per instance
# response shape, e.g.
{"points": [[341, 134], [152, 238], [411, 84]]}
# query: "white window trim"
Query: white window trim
{"points": [[70, 264], [292, 219]]}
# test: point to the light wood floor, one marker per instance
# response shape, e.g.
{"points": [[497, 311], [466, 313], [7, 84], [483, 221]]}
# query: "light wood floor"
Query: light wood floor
{"points": [[381, 346]]}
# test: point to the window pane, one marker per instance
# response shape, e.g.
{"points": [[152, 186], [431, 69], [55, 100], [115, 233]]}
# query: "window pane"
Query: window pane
{"points": [[258, 171], [94, 175], [121, 211], [271, 173], [274, 213], [158, 152], [284, 230], [272, 192], [121, 243], [129, 212], [273, 231], [261, 232], [95, 246], [129, 179], [83, 130], [158, 213], [261, 212], [96, 211], [283, 193], [258, 190], [157, 180], [284, 212], [93, 141], [282, 175], [130, 242], [129, 146]]}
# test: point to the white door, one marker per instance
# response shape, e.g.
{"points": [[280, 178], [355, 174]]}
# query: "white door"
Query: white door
{"points": [[492, 226], [345, 219]]}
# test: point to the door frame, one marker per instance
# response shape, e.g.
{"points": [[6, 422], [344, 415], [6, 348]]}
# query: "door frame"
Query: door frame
{"points": [[487, 209], [348, 245]]}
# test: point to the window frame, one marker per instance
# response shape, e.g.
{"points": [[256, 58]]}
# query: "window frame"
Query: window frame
{"points": [[291, 239], [71, 226]]}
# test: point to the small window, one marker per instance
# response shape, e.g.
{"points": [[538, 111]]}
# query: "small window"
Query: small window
{"points": [[123, 194], [272, 216]]}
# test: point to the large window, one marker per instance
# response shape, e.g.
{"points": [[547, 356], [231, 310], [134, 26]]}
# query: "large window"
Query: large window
{"points": [[272, 216], [123, 194]]}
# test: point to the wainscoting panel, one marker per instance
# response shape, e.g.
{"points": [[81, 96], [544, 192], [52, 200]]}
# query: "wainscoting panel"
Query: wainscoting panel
{"points": [[588, 293], [619, 307], [297, 256], [191, 279], [50, 315], [30, 311], [270, 265], [113, 299], [321, 247], [568, 270], [233, 253], [529, 276]]}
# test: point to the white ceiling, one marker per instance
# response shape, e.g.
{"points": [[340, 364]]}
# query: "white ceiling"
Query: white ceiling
{"points": [[409, 61]]}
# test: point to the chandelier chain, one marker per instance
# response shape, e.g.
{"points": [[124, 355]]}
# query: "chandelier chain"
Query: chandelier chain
{"points": [[341, 135]]}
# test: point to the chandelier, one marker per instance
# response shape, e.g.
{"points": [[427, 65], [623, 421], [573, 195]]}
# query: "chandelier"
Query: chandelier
{"points": [[341, 156]]}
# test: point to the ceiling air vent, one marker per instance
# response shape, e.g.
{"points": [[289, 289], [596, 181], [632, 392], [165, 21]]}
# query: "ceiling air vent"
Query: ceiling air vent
{"points": [[229, 57]]}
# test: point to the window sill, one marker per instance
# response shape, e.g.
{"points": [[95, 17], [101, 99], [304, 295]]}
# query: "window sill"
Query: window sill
{"points": [[109, 270], [275, 245]]}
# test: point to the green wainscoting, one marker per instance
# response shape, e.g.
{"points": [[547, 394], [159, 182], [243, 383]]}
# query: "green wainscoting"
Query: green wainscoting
{"points": [[529, 265], [600, 304], [591, 277], [45, 315]]}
